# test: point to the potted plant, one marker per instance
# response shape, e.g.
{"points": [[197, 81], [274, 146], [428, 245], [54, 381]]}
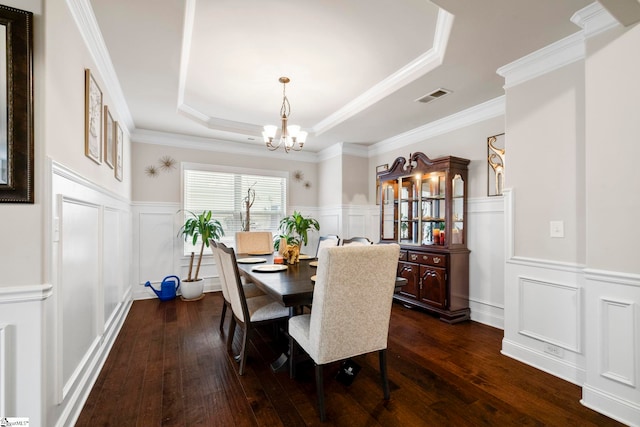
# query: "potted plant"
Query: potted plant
{"points": [[204, 228], [295, 228]]}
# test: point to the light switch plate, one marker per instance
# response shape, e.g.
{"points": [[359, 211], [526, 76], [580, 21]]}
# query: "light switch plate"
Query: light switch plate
{"points": [[556, 229]]}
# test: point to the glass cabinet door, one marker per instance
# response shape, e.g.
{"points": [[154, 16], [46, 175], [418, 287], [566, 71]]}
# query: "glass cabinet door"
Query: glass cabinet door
{"points": [[389, 203], [433, 206], [457, 211], [408, 211]]}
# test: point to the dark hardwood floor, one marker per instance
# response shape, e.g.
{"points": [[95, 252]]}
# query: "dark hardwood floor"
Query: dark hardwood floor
{"points": [[169, 367]]}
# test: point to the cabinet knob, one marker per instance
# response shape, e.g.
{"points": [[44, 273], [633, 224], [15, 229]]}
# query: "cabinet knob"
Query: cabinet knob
{"points": [[414, 257], [436, 259]]}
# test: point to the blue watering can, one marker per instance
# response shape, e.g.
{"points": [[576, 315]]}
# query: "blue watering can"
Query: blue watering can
{"points": [[168, 288]]}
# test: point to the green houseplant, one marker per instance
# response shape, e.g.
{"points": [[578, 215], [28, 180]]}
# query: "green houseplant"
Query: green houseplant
{"points": [[295, 228], [196, 227]]}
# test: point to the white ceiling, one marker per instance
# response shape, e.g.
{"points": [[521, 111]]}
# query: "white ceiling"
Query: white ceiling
{"points": [[210, 68]]}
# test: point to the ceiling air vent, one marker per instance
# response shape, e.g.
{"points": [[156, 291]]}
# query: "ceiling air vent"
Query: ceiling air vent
{"points": [[438, 93]]}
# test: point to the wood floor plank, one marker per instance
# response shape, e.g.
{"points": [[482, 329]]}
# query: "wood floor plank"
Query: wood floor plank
{"points": [[169, 366]]}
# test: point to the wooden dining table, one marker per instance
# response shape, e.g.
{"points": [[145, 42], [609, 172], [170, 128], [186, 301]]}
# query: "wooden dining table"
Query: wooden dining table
{"points": [[292, 286]]}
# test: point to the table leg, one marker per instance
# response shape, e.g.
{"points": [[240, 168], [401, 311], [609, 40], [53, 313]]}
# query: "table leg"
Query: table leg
{"points": [[281, 364]]}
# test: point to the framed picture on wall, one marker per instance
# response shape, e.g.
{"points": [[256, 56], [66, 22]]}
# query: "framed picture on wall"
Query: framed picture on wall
{"points": [[495, 164], [109, 134], [119, 142], [93, 118]]}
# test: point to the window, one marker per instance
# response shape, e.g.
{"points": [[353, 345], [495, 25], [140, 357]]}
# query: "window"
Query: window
{"points": [[223, 189]]}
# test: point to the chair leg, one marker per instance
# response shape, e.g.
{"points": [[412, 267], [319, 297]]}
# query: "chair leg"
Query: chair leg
{"points": [[383, 373], [224, 312], [243, 351], [292, 363], [232, 331], [320, 392]]}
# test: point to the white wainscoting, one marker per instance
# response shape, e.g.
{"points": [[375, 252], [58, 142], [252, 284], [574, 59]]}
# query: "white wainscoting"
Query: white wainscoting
{"points": [[158, 250], [22, 351], [578, 324], [485, 237], [90, 272], [612, 386]]}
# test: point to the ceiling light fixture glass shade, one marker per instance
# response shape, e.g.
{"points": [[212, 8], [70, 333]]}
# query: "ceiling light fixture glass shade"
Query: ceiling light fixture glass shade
{"points": [[291, 137]]}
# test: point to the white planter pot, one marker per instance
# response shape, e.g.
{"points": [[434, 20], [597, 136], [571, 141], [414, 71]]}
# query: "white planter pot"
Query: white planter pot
{"points": [[192, 290]]}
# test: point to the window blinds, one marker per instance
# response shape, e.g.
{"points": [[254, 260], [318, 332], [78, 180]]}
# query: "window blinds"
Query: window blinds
{"points": [[224, 192]]}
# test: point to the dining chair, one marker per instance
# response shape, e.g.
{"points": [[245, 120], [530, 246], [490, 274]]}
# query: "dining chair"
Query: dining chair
{"points": [[352, 301], [250, 290], [254, 242], [246, 312], [327, 242], [356, 241]]}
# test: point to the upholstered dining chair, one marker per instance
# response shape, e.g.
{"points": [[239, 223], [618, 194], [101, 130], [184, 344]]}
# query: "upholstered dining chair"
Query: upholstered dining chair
{"points": [[327, 242], [254, 242], [357, 241], [247, 312], [352, 301], [250, 290]]}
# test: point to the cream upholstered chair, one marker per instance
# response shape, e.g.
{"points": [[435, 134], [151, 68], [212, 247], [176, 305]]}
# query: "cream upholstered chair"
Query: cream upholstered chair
{"points": [[247, 312], [250, 290], [327, 242], [356, 241], [351, 309], [257, 242]]}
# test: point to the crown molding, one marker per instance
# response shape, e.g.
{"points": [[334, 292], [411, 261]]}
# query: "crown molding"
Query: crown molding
{"points": [[189, 17], [219, 124], [410, 72], [343, 148], [88, 26], [556, 55], [145, 136], [478, 113], [593, 19]]}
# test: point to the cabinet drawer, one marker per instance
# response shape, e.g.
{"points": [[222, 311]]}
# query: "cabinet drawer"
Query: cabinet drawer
{"points": [[437, 260], [403, 256]]}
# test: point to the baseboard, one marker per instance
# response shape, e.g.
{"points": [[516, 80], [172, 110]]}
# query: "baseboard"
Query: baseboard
{"points": [[547, 363], [487, 314], [77, 399], [613, 407]]}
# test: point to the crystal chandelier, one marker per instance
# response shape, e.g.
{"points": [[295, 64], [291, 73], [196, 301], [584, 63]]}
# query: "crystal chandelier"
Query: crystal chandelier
{"points": [[291, 137]]}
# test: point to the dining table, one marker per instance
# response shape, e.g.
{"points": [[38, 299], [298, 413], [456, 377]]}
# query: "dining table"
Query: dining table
{"points": [[289, 284]]}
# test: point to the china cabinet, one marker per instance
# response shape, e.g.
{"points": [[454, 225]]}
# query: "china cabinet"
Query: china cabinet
{"points": [[423, 207]]}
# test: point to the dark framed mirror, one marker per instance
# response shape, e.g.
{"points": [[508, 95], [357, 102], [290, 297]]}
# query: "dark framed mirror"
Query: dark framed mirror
{"points": [[16, 106]]}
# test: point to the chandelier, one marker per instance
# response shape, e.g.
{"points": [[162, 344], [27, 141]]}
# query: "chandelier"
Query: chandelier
{"points": [[291, 137]]}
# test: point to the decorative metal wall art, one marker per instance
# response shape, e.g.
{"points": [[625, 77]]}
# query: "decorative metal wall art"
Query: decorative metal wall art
{"points": [[495, 164]]}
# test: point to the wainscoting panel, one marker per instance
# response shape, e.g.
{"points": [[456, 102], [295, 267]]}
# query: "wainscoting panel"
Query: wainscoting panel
{"points": [[619, 341], [329, 223], [91, 287], [157, 240], [542, 305], [81, 237], [485, 240], [158, 250], [543, 317], [612, 316], [112, 272]]}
